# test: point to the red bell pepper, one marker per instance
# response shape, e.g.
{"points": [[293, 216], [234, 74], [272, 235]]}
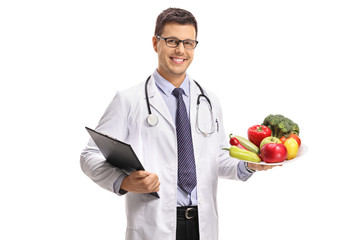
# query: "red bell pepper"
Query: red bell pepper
{"points": [[257, 133]]}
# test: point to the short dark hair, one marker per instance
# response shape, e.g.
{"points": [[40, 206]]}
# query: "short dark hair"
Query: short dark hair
{"points": [[174, 15]]}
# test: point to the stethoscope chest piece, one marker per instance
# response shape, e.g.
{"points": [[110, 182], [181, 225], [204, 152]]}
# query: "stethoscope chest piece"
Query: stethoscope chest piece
{"points": [[152, 120]]}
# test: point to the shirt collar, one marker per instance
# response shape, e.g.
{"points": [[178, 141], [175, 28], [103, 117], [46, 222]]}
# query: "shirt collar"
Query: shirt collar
{"points": [[166, 87]]}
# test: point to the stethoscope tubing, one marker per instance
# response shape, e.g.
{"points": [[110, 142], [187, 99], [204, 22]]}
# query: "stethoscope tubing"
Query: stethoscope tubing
{"points": [[197, 102], [152, 119], [147, 95]]}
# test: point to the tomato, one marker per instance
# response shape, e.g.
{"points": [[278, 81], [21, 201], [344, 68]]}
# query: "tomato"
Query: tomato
{"points": [[296, 137]]}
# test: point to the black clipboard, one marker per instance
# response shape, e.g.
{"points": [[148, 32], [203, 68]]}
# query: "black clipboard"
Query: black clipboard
{"points": [[117, 153]]}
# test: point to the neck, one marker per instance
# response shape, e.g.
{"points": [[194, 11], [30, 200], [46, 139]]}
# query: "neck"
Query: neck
{"points": [[175, 80]]}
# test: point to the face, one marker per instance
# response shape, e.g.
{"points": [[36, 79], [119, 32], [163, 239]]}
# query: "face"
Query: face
{"points": [[173, 62]]}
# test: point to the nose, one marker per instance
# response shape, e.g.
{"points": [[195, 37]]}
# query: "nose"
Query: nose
{"points": [[180, 49]]}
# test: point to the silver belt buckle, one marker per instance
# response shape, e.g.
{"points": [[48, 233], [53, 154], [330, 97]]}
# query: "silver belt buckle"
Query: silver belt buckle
{"points": [[187, 213]]}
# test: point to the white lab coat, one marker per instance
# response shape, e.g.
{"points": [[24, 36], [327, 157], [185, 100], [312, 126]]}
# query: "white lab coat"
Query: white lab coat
{"points": [[155, 218]]}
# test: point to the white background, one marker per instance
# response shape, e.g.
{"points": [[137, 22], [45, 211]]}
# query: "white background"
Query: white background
{"points": [[61, 63]]}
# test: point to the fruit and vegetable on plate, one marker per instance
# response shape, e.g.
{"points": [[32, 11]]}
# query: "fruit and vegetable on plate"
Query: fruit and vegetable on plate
{"points": [[274, 141]]}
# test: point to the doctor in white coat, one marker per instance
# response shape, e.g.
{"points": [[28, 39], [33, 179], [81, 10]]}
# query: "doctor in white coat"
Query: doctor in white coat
{"points": [[149, 217]]}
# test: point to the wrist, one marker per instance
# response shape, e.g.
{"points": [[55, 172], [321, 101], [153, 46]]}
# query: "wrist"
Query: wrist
{"points": [[249, 169], [124, 184], [122, 189]]}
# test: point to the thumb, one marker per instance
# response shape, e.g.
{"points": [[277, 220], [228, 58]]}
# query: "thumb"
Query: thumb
{"points": [[142, 174]]}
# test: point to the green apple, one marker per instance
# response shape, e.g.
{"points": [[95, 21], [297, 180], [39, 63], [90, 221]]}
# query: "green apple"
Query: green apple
{"points": [[269, 140]]}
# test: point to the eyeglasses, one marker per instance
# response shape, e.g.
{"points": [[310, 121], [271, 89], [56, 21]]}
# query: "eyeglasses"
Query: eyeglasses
{"points": [[174, 42]]}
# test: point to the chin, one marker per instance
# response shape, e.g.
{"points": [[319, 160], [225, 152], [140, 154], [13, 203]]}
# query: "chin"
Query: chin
{"points": [[177, 70]]}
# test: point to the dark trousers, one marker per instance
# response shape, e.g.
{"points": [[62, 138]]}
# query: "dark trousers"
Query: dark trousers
{"points": [[187, 227]]}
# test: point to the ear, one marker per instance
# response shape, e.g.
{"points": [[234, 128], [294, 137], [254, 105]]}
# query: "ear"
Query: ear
{"points": [[155, 42]]}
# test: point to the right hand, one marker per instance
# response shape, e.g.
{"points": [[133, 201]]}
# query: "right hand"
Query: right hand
{"points": [[141, 182], [260, 167]]}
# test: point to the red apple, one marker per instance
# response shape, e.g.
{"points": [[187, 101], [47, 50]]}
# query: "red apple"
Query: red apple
{"points": [[273, 153]]}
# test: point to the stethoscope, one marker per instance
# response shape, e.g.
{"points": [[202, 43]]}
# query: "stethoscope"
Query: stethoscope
{"points": [[153, 120]]}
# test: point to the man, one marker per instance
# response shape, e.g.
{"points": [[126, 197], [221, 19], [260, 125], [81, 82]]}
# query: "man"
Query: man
{"points": [[179, 149]]}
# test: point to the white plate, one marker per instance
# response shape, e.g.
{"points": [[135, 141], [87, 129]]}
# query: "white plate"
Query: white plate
{"points": [[303, 149]]}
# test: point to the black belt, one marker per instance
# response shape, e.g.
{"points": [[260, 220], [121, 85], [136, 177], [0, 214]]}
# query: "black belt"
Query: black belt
{"points": [[188, 213]]}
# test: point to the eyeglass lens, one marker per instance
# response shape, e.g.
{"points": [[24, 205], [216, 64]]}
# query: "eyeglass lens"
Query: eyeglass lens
{"points": [[173, 42]]}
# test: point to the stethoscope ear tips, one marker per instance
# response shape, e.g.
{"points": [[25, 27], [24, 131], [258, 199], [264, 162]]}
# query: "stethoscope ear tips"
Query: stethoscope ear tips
{"points": [[152, 120]]}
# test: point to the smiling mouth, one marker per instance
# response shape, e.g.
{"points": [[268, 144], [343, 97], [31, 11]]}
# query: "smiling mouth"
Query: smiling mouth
{"points": [[177, 60]]}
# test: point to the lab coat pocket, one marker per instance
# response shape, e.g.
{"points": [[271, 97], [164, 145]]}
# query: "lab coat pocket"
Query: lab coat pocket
{"points": [[136, 207]]}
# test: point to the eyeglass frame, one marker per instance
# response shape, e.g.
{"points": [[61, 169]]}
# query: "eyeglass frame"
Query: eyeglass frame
{"points": [[180, 41]]}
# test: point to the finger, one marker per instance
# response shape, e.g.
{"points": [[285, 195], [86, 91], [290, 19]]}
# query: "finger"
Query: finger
{"points": [[261, 167], [268, 167], [156, 186], [151, 185], [153, 177], [141, 174], [155, 182], [264, 167]]}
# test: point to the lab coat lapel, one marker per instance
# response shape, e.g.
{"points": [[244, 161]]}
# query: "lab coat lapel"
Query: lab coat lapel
{"points": [[157, 102]]}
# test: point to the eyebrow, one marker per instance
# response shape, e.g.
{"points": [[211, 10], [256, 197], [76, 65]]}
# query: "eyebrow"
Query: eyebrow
{"points": [[180, 39]]}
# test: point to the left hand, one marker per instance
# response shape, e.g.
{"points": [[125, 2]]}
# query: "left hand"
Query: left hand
{"points": [[260, 167]]}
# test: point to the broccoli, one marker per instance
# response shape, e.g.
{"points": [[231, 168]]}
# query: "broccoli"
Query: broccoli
{"points": [[280, 125]]}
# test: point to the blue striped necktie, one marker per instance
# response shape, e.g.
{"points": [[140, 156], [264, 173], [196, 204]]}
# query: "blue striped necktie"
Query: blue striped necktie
{"points": [[186, 159]]}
